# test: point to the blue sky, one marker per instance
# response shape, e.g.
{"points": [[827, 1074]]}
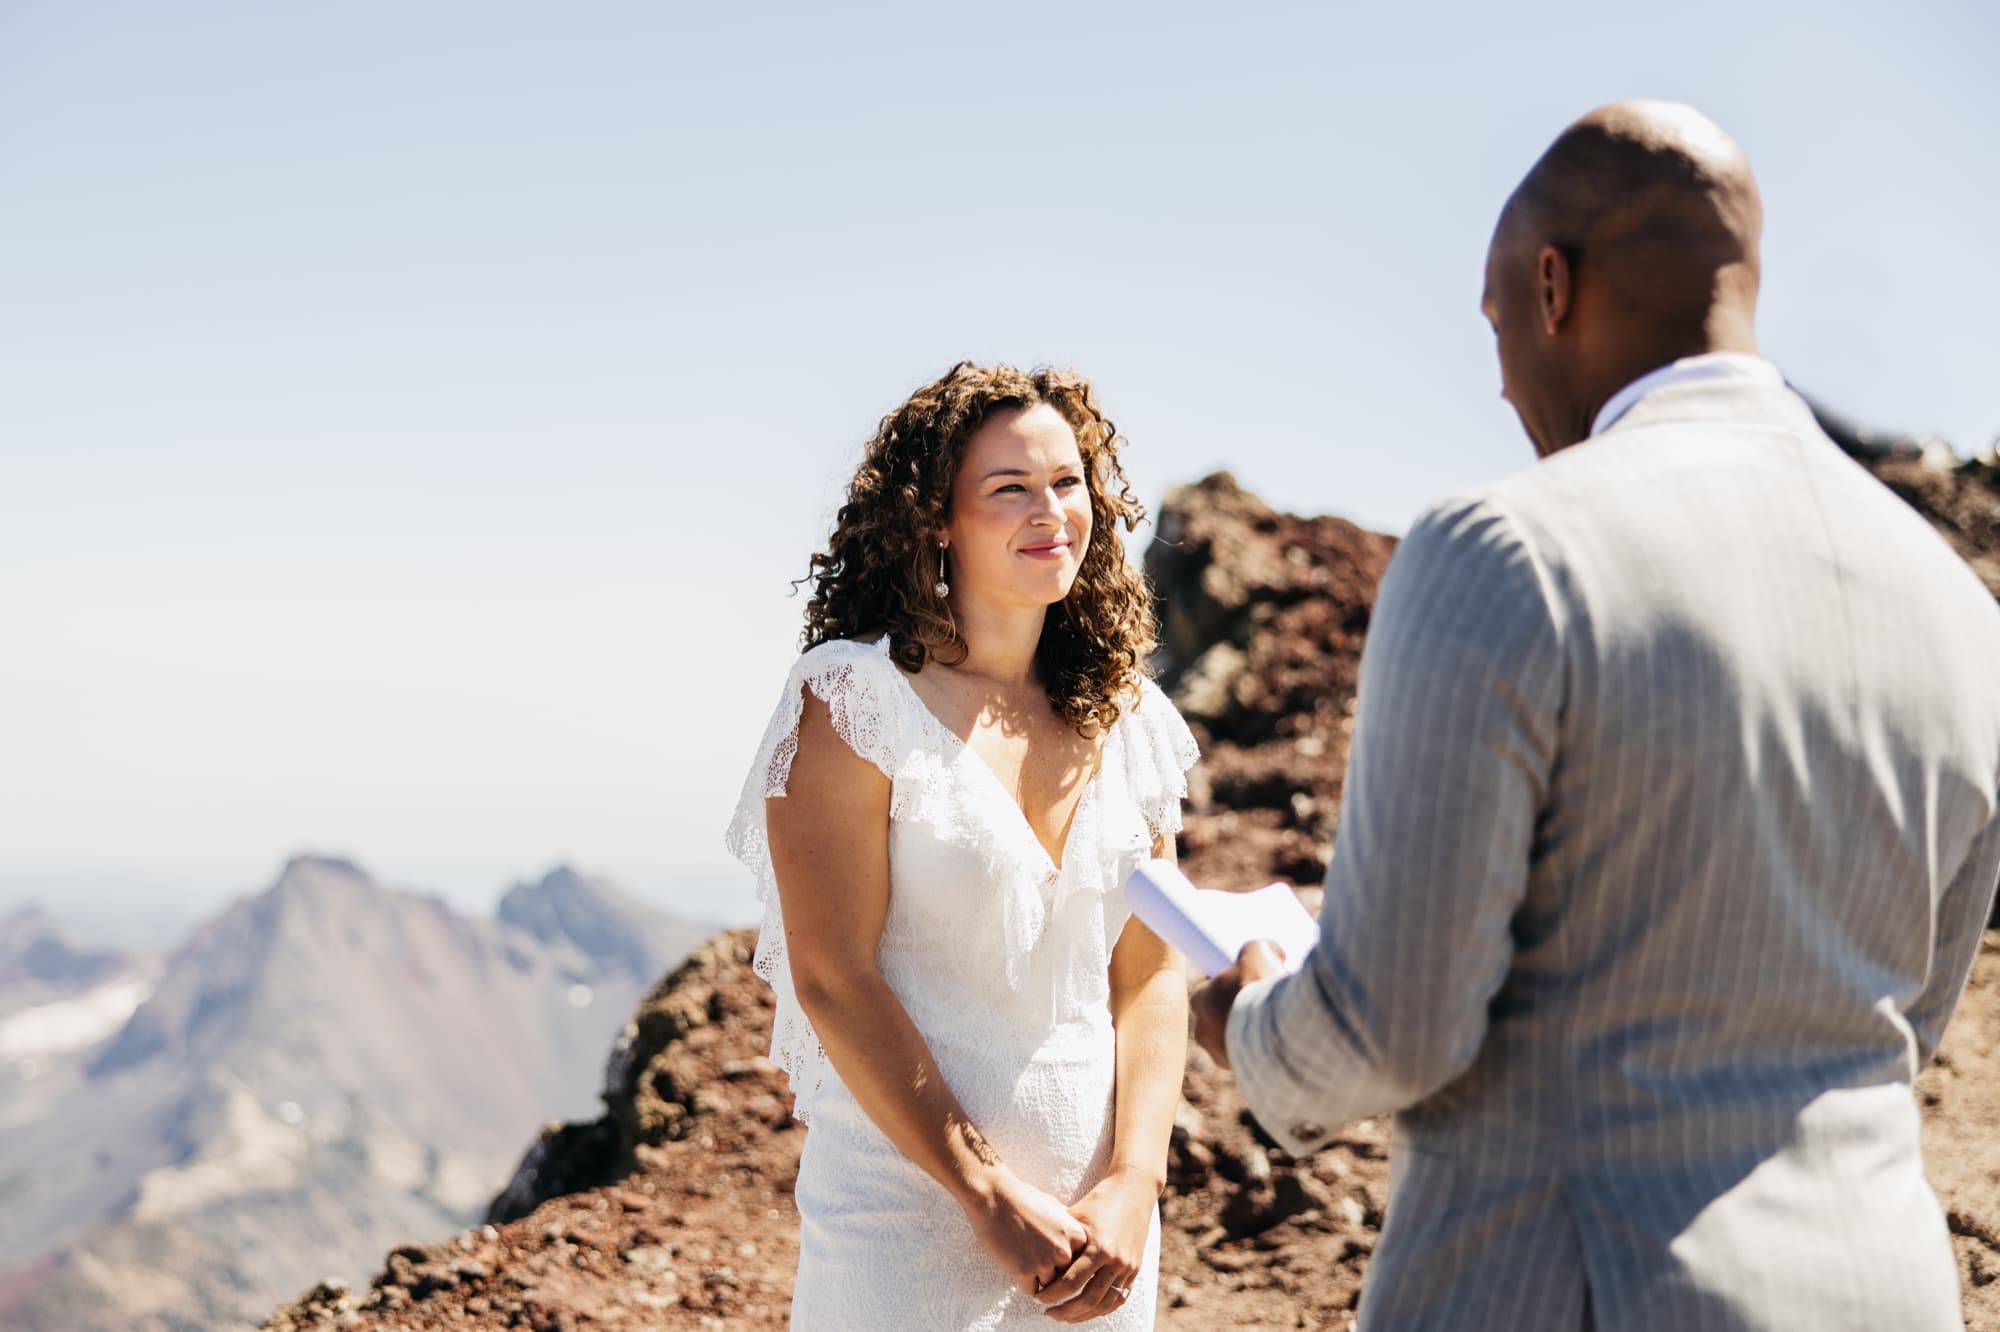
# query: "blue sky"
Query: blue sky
{"points": [[410, 416]]}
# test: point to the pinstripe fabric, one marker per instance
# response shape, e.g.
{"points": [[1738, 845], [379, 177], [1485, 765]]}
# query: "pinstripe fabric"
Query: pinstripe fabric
{"points": [[1669, 834]]}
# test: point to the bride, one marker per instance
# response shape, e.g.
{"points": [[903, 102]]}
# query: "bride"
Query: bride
{"points": [[963, 767]]}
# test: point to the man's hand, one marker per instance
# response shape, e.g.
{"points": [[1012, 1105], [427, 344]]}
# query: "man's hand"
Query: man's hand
{"points": [[1214, 998]]}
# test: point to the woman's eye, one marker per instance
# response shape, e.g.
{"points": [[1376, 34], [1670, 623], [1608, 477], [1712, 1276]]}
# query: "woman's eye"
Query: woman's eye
{"points": [[1062, 483]]}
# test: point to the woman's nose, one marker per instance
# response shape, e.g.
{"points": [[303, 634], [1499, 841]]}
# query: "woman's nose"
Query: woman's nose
{"points": [[1050, 510]]}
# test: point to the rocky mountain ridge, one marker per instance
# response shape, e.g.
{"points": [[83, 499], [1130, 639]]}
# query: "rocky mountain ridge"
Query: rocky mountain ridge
{"points": [[319, 1068]]}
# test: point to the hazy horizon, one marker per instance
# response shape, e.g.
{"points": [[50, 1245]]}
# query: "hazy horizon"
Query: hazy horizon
{"points": [[132, 910]]}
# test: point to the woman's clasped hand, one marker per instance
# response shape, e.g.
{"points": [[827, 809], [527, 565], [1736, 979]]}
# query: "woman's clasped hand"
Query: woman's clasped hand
{"points": [[1117, 1216], [1077, 1261]]}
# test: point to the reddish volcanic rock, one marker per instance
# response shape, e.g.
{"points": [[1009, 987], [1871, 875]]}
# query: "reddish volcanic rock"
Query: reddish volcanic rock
{"points": [[1262, 616]]}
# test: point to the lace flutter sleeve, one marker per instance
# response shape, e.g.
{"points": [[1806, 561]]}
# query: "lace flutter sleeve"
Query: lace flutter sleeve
{"points": [[1160, 750], [848, 678]]}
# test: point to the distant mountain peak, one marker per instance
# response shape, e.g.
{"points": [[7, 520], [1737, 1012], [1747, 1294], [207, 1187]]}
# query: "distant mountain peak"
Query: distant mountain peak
{"points": [[316, 885], [561, 894], [35, 950], [603, 922], [313, 866], [24, 917], [568, 878]]}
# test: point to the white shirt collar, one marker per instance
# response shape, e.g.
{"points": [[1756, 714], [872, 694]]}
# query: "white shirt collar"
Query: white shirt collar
{"points": [[1741, 367]]}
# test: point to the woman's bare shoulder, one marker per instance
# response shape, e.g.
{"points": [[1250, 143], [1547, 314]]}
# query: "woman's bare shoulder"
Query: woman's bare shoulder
{"points": [[849, 716]]}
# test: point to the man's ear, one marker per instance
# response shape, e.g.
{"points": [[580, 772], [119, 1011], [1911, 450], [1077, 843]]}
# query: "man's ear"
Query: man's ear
{"points": [[1552, 288]]}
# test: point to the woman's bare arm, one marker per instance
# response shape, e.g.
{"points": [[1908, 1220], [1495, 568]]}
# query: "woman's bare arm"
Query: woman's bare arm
{"points": [[829, 838], [1149, 1007]]}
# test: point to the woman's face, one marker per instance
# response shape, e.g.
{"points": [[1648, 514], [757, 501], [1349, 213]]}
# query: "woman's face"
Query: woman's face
{"points": [[1020, 510]]}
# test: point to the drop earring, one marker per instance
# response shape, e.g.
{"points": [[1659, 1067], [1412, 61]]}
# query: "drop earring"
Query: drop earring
{"points": [[943, 587]]}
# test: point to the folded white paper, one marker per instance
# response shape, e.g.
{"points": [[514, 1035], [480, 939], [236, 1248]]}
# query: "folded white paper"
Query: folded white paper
{"points": [[1212, 926]]}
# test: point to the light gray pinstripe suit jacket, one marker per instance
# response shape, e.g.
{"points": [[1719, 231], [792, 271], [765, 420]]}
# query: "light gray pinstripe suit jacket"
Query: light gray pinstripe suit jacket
{"points": [[1668, 839]]}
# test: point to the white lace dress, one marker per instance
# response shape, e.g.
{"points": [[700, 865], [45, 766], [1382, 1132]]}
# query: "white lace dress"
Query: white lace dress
{"points": [[1001, 957]]}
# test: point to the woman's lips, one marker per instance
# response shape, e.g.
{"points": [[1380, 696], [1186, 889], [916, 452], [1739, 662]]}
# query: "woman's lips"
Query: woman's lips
{"points": [[1047, 550]]}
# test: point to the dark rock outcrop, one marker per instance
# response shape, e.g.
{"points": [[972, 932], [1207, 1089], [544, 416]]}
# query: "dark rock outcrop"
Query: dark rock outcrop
{"points": [[671, 1209], [1262, 616], [695, 1048]]}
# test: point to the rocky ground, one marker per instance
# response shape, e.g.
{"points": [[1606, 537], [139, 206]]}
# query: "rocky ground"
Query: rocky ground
{"points": [[1960, 1095], [698, 1230], [673, 1210]]}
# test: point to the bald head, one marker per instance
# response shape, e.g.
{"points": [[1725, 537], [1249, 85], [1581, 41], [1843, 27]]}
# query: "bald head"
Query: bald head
{"points": [[1631, 243], [1653, 196]]}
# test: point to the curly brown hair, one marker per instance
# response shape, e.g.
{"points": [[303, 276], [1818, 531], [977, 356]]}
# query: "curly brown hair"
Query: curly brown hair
{"points": [[879, 570]]}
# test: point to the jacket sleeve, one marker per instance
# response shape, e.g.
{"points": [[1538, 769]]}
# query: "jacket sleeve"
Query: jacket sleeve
{"points": [[1461, 690], [1961, 921]]}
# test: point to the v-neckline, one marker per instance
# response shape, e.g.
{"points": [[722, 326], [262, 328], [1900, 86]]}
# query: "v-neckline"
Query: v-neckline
{"points": [[967, 753]]}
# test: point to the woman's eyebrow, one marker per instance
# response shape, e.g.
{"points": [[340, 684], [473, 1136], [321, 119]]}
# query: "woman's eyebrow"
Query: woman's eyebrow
{"points": [[1022, 471]]}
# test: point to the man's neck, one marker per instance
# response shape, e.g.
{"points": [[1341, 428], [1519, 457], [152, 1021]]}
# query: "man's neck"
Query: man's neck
{"points": [[1724, 329]]}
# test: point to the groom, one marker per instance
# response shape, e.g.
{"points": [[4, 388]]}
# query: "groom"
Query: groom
{"points": [[1670, 819]]}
